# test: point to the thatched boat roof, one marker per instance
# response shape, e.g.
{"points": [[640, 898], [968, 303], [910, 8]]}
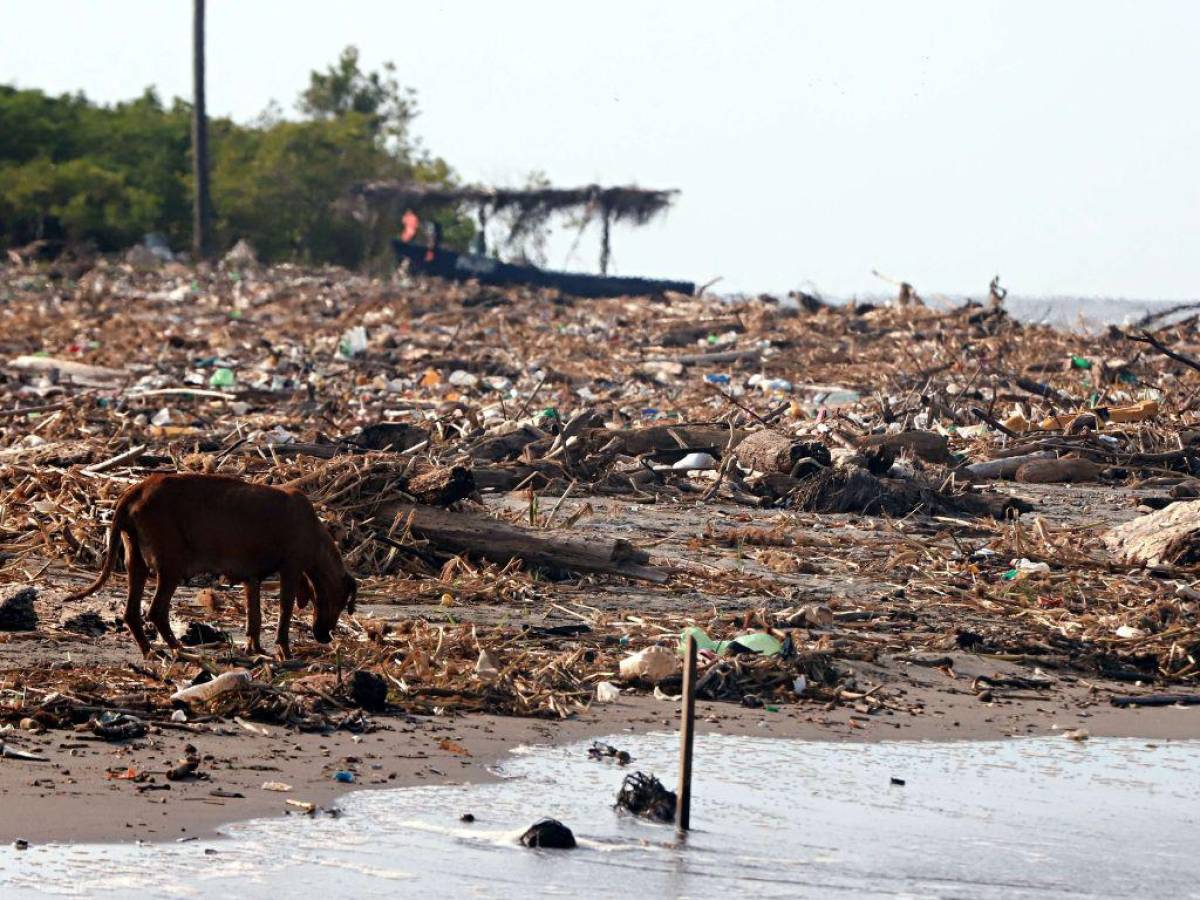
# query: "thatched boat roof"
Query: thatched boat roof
{"points": [[629, 203]]}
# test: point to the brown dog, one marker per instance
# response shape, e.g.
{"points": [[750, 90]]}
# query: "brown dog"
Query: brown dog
{"points": [[186, 524]]}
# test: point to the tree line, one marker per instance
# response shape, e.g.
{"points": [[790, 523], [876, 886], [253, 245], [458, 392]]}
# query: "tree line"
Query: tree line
{"points": [[84, 173]]}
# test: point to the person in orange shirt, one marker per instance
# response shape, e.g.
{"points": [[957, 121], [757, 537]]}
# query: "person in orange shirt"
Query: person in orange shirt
{"points": [[410, 225]]}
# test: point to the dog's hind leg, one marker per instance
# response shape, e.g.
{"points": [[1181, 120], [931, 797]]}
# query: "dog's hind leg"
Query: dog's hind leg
{"points": [[160, 608], [136, 567]]}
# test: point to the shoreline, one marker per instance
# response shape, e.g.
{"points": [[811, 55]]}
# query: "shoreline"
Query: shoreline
{"points": [[47, 805]]}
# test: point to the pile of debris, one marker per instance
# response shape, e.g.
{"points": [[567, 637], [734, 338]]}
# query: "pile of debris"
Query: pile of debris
{"points": [[537, 486]]}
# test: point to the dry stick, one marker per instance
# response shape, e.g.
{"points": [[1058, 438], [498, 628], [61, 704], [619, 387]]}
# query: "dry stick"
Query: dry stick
{"points": [[529, 399], [993, 423], [554, 511], [738, 403], [133, 453], [1147, 338], [49, 407], [687, 724]]}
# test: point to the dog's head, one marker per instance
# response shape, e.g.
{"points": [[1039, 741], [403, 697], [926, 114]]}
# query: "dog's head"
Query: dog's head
{"points": [[329, 603]]}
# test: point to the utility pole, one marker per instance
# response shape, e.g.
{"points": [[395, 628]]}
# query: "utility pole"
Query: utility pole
{"points": [[201, 207], [605, 240]]}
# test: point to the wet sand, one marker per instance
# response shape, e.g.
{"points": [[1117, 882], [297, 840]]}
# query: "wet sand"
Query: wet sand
{"points": [[72, 798]]}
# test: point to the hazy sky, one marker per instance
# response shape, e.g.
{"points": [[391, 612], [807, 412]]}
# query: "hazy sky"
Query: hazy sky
{"points": [[941, 142]]}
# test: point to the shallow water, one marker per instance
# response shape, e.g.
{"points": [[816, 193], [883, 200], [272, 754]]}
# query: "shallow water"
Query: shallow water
{"points": [[1083, 314], [1032, 818]]}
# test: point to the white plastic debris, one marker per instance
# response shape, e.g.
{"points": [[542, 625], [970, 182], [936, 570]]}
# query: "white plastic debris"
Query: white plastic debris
{"points": [[162, 417], [799, 686], [1029, 567], [279, 435], [462, 378], [353, 342], [651, 664], [696, 461], [179, 716], [607, 692], [486, 667]]}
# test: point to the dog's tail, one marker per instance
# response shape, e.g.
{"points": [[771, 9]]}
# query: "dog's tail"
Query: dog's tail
{"points": [[120, 523]]}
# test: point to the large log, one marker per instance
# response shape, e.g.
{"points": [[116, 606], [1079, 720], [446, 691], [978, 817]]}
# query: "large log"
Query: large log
{"points": [[1058, 471], [636, 441], [1006, 467], [502, 542], [1170, 536]]}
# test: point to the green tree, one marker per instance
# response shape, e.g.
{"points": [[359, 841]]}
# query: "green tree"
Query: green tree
{"points": [[80, 171], [344, 88]]}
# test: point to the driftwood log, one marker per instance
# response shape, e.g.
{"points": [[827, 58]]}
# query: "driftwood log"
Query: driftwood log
{"points": [[926, 445], [1155, 700], [686, 335], [442, 485], [684, 438], [1058, 471], [502, 542], [773, 453], [1006, 467], [1170, 537]]}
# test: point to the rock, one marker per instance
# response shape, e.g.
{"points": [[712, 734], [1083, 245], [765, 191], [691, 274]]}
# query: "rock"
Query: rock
{"points": [[88, 622], [368, 690], [549, 834], [199, 633], [644, 795], [16, 608]]}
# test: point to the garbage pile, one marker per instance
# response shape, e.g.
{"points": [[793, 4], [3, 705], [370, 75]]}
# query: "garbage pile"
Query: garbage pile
{"points": [[536, 488]]}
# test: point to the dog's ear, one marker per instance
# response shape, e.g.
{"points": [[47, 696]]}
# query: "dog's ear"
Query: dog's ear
{"points": [[305, 592]]}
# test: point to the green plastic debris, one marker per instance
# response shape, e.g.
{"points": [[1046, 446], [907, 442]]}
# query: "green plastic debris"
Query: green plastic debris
{"points": [[1078, 362], [1127, 378], [1009, 575], [755, 642], [222, 378], [550, 413], [712, 339]]}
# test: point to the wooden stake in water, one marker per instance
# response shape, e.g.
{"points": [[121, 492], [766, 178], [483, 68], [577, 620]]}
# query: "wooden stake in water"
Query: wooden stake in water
{"points": [[687, 723]]}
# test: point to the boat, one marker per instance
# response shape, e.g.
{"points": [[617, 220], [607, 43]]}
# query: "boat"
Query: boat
{"points": [[486, 270]]}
